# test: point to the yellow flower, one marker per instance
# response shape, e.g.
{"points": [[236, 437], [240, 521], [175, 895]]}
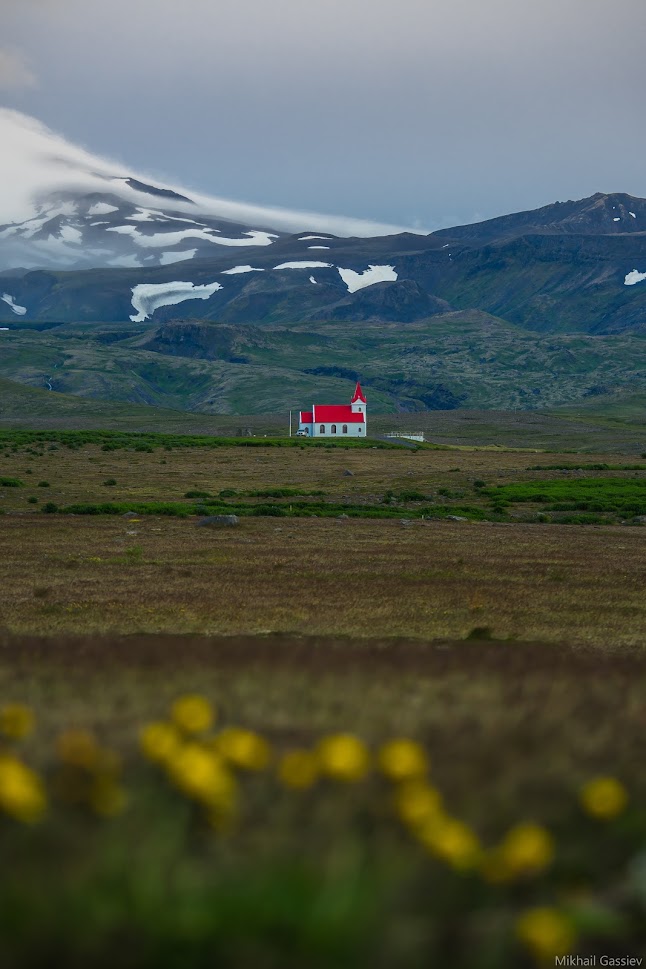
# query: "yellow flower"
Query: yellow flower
{"points": [[343, 757], [604, 798], [527, 848], [78, 748], [192, 713], [416, 802], [452, 841], [200, 774], [546, 932], [242, 748], [16, 721], [107, 797], [22, 795], [299, 769], [159, 741], [402, 760]]}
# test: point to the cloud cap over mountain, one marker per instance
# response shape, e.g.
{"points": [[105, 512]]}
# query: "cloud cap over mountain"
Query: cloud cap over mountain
{"points": [[36, 162]]}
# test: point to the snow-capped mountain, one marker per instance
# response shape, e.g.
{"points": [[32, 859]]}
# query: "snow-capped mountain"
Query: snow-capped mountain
{"points": [[64, 208], [83, 240]]}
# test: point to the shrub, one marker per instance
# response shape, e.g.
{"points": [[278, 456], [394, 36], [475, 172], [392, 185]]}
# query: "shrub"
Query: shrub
{"points": [[110, 482], [412, 496], [43, 484], [33, 500], [11, 483], [198, 494], [50, 508], [480, 632]]}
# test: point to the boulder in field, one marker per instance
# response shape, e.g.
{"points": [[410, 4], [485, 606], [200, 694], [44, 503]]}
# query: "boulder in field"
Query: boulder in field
{"points": [[219, 521]]}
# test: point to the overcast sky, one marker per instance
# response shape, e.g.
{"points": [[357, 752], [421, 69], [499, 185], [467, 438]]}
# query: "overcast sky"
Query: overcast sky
{"points": [[420, 113]]}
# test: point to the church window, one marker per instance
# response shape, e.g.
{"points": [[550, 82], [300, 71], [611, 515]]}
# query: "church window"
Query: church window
{"points": [[345, 428], [322, 429], [333, 429]]}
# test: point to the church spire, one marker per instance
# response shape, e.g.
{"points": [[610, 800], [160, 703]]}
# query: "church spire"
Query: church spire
{"points": [[358, 394]]}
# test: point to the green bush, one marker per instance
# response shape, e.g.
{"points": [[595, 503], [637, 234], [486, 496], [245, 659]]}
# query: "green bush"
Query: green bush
{"points": [[412, 496], [50, 508], [11, 483], [43, 484], [109, 482]]}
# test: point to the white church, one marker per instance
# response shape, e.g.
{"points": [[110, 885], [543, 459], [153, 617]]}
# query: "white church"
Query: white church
{"points": [[335, 420]]}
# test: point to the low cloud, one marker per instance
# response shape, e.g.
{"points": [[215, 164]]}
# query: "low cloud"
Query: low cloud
{"points": [[15, 73], [35, 161]]}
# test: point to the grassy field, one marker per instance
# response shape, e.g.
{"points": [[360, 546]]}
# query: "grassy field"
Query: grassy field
{"points": [[507, 651]]}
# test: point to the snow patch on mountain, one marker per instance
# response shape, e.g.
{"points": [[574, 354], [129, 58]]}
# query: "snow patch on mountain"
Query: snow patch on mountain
{"points": [[167, 258], [634, 277], [370, 276], [318, 247], [304, 265], [241, 269], [101, 208], [69, 233], [305, 238], [9, 300], [148, 297], [161, 239]]}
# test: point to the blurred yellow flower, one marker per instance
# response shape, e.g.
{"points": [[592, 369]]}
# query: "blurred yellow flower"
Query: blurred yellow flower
{"points": [[242, 748], [417, 802], [78, 748], [299, 769], [452, 841], [343, 757], [546, 932], [22, 794], [402, 760], [16, 721], [192, 713], [201, 774], [527, 848], [604, 798], [159, 741], [107, 797]]}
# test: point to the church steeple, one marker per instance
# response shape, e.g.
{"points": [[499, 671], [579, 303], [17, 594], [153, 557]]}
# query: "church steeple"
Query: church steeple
{"points": [[359, 404], [358, 395]]}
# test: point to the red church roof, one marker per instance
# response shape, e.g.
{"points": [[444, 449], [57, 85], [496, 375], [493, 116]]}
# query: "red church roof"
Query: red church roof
{"points": [[358, 394], [341, 413], [305, 417]]}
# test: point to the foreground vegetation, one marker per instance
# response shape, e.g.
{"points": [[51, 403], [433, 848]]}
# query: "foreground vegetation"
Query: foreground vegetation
{"points": [[404, 741], [352, 804]]}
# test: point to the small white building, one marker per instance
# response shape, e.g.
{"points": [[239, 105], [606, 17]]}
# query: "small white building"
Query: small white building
{"points": [[335, 420]]}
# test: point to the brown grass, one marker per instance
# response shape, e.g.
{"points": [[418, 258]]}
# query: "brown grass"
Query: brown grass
{"points": [[355, 578], [582, 585]]}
